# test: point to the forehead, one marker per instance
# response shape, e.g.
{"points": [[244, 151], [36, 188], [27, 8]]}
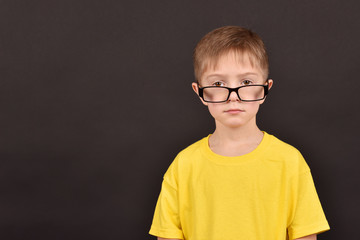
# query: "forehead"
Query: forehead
{"points": [[232, 62]]}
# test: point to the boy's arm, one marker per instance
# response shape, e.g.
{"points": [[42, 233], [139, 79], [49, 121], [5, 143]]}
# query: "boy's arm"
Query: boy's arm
{"points": [[310, 237]]}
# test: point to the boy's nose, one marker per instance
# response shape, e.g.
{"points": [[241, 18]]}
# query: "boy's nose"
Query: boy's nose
{"points": [[233, 97]]}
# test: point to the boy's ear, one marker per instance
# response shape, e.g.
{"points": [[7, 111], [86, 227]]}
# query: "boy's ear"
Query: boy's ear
{"points": [[270, 83], [195, 87]]}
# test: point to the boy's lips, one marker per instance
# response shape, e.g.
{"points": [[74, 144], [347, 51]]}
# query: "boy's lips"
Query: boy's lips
{"points": [[234, 110]]}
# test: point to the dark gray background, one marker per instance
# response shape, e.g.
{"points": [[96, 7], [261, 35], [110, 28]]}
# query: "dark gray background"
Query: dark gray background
{"points": [[96, 101]]}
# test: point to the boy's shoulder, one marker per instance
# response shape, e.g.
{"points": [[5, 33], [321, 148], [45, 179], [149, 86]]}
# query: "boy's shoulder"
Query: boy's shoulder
{"points": [[280, 148], [194, 148], [280, 151], [186, 158], [286, 148]]}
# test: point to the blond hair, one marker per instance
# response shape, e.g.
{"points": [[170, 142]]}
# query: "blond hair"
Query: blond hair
{"points": [[229, 39]]}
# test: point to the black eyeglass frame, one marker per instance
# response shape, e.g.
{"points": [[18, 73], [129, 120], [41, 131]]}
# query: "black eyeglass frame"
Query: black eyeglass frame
{"points": [[236, 90]]}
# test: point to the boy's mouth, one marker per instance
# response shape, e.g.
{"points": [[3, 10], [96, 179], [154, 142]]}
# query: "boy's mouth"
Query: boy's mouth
{"points": [[234, 111]]}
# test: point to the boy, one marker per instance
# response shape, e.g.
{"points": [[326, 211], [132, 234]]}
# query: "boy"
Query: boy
{"points": [[239, 182]]}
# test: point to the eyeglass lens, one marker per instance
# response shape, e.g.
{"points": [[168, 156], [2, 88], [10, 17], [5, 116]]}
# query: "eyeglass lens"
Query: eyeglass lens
{"points": [[248, 93]]}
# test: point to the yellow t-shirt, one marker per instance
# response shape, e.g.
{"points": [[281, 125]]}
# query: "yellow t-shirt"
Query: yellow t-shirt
{"points": [[267, 194]]}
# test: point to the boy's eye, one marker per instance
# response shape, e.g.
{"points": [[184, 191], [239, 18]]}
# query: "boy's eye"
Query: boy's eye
{"points": [[218, 84], [246, 82]]}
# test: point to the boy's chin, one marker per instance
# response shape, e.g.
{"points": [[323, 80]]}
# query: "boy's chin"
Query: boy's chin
{"points": [[235, 124]]}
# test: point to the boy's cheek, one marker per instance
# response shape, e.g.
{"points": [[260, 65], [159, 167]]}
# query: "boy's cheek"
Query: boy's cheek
{"points": [[215, 108]]}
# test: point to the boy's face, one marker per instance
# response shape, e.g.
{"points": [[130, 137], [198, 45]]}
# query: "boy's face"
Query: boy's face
{"points": [[233, 70]]}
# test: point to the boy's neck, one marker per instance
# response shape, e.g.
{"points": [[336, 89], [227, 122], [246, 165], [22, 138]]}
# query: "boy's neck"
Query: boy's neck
{"points": [[235, 141]]}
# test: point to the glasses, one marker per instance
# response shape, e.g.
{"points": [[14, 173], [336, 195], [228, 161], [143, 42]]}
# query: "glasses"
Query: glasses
{"points": [[248, 93]]}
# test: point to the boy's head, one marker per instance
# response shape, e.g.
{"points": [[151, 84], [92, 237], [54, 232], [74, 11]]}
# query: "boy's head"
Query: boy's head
{"points": [[224, 40], [231, 69]]}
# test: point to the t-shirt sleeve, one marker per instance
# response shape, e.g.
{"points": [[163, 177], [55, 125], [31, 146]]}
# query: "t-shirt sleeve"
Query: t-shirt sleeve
{"points": [[166, 221], [308, 216]]}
